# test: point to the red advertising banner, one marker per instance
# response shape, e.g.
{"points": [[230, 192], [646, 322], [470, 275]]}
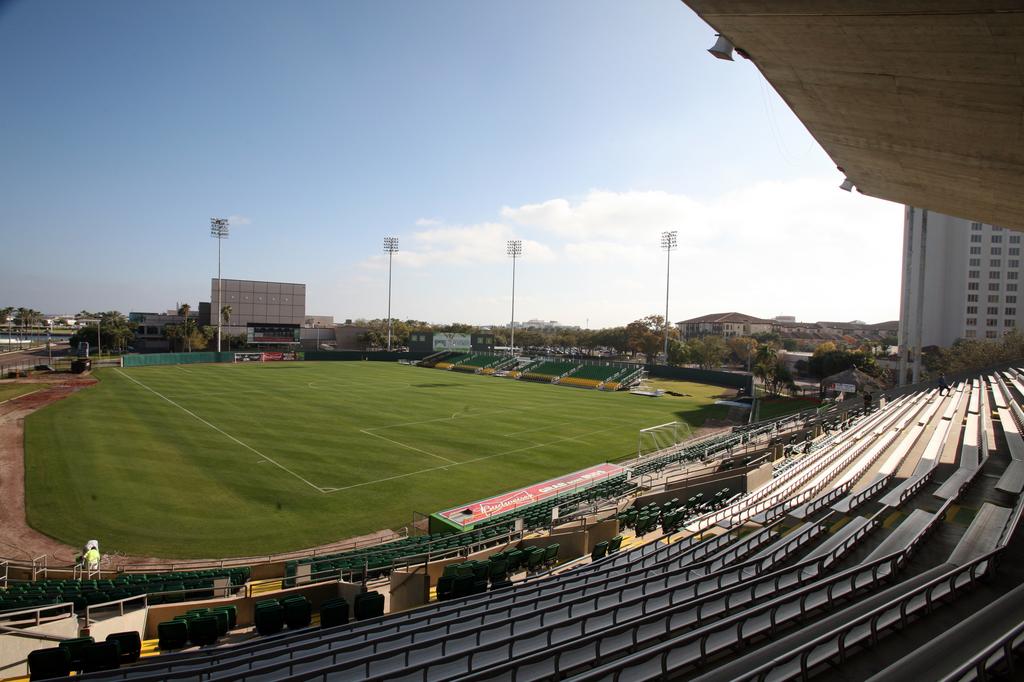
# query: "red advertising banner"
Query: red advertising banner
{"points": [[469, 514], [275, 357]]}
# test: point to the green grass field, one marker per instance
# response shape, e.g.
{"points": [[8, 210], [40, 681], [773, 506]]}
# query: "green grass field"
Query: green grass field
{"points": [[228, 460], [8, 391]]}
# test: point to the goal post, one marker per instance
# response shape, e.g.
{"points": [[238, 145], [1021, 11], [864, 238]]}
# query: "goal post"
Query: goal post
{"points": [[655, 439]]}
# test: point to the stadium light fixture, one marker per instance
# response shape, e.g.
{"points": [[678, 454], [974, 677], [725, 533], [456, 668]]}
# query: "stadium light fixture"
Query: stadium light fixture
{"points": [[669, 242], [219, 230], [722, 49], [390, 248], [846, 185], [514, 248]]}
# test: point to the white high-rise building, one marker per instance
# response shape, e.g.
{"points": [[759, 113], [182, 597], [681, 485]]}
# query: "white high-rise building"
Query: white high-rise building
{"points": [[961, 279]]}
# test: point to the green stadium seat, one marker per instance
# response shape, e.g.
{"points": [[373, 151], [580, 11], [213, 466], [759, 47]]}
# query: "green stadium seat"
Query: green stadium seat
{"points": [[600, 550], [614, 544], [202, 630], [298, 612], [269, 617], [75, 648], [232, 614], [369, 605], [172, 634], [130, 644], [446, 587], [48, 664], [551, 553], [101, 656], [334, 613]]}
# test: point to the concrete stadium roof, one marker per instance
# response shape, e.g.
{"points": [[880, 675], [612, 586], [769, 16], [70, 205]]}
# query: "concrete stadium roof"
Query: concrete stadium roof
{"points": [[918, 101]]}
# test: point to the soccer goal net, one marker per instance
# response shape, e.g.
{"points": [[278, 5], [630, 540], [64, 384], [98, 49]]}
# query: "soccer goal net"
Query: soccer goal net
{"points": [[661, 438]]}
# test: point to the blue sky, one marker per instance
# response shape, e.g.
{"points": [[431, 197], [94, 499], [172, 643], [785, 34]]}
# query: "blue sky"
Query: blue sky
{"points": [[583, 127]]}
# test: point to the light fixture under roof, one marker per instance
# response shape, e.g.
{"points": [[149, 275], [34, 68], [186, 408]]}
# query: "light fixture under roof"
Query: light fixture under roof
{"points": [[722, 49]]}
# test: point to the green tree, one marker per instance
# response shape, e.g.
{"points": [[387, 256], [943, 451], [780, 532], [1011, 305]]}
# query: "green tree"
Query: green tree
{"points": [[679, 353], [743, 349], [225, 317], [186, 334], [708, 352]]}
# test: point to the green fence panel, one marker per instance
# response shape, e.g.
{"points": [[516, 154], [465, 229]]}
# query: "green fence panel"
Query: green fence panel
{"points": [[384, 356], [149, 359]]}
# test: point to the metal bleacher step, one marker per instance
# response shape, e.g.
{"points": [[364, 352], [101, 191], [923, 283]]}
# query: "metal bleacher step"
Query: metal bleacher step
{"points": [[982, 535], [1012, 480], [944, 654], [904, 534]]}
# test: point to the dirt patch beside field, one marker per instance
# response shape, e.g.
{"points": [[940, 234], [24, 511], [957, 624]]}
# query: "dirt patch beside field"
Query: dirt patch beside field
{"points": [[17, 539]]}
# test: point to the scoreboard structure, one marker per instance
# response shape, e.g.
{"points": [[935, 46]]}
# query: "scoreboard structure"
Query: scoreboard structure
{"points": [[280, 334], [431, 342]]}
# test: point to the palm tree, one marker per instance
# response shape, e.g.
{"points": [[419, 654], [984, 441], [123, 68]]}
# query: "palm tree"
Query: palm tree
{"points": [[7, 315], [184, 310], [225, 315]]}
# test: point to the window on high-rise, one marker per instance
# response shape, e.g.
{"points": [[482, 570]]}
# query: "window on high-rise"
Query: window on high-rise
{"points": [[991, 334], [972, 286], [975, 262], [972, 310], [976, 238], [1013, 263], [992, 310], [991, 322], [973, 274], [1015, 239], [993, 298], [1014, 251], [993, 286], [1010, 323], [996, 228], [994, 274], [972, 298], [996, 251], [976, 227], [995, 263], [997, 238], [1012, 274], [1011, 287], [1010, 311], [975, 250], [969, 334]]}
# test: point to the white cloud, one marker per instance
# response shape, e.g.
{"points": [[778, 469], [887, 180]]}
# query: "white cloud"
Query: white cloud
{"points": [[461, 245], [802, 248], [603, 214]]}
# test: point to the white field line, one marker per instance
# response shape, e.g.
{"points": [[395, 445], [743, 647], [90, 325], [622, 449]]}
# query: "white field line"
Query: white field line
{"points": [[552, 426], [182, 369], [220, 431], [468, 461], [410, 447], [4, 402], [454, 416]]}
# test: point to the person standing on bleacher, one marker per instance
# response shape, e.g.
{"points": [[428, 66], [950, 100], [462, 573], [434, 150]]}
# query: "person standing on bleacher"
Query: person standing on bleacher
{"points": [[943, 384]]}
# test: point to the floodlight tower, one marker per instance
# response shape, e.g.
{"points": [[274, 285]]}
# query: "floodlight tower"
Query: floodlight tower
{"points": [[514, 248], [390, 248], [668, 243], [219, 231]]}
